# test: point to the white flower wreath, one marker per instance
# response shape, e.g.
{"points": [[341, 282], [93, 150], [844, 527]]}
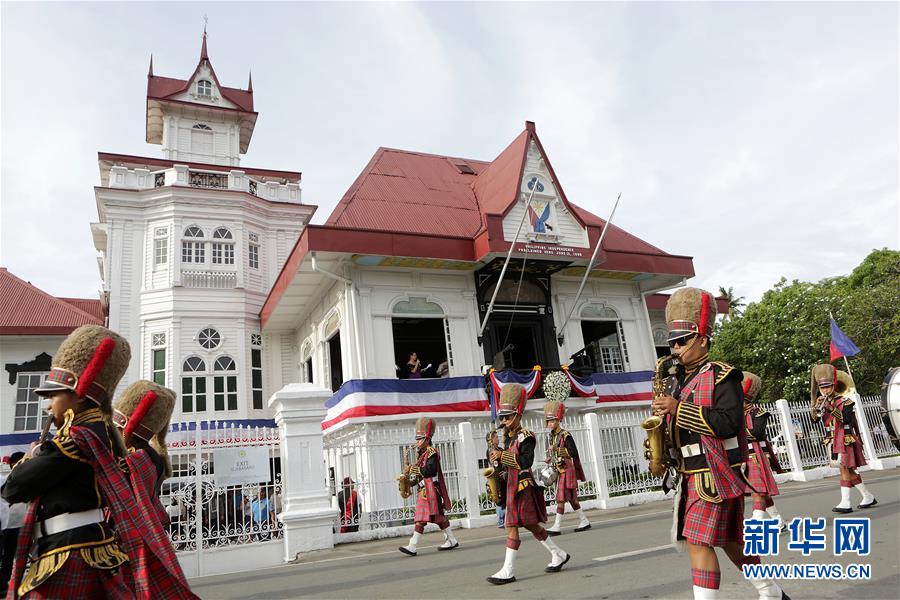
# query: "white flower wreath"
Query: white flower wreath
{"points": [[557, 386]]}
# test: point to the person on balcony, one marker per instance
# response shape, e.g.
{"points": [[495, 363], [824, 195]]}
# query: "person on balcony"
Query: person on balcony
{"points": [[413, 366], [433, 498], [562, 454], [525, 506], [705, 417], [831, 402], [762, 463]]}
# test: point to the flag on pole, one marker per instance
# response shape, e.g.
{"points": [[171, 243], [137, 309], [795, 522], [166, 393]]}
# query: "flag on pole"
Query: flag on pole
{"points": [[841, 345]]}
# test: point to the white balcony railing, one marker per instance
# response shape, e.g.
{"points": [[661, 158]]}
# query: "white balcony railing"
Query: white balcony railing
{"points": [[209, 279], [182, 175]]}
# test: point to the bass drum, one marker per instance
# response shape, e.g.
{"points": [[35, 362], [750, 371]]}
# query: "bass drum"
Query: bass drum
{"points": [[890, 404]]}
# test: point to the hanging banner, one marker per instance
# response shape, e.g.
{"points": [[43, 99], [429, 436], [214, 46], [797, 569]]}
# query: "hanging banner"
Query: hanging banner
{"points": [[613, 387], [530, 381], [237, 466]]}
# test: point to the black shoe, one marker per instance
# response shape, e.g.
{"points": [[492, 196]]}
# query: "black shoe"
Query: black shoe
{"points": [[498, 581], [406, 551], [441, 548], [843, 511], [558, 567], [553, 533], [869, 505], [580, 529]]}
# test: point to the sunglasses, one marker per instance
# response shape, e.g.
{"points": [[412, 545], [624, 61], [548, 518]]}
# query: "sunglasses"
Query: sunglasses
{"points": [[682, 341], [507, 417]]}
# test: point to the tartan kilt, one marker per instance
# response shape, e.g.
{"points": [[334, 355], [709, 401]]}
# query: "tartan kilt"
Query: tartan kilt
{"points": [[567, 484], [429, 507], [852, 456], [77, 579], [760, 476], [707, 523], [526, 508]]}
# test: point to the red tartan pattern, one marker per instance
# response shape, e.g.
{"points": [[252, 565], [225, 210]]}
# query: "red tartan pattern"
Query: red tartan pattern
{"points": [[701, 391], [706, 579], [428, 509], [156, 573], [708, 523], [527, 508], [22, 546], [142, 472], [566, 494], [759, 473], [77, 579], [848, 455]]}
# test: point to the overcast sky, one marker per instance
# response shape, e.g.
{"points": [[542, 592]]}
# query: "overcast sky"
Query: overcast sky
{"points": [[761, 139]]}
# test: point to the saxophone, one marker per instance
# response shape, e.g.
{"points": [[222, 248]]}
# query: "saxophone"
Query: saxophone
{"points": [[657, 444], [493, 476], [403, 482]]}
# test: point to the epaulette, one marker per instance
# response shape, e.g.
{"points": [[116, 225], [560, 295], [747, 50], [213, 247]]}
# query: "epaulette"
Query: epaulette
{"points": [[430, 451], [760, 411], [525, 433], [64, 442], [724, 370], [847, 401]]}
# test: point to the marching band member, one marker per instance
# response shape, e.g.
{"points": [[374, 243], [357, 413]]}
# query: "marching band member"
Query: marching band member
{"points": [[830, 401], [525, 506], [759, 470], [562, 453], [706, 419], [142, 412], [76, 553], [433, 498]]}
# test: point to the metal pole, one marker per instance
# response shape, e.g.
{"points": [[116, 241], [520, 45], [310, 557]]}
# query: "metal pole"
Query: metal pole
{"points": [[587, 271], [512, 245]]}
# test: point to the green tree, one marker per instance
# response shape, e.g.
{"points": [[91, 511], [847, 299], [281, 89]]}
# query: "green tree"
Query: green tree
{"points": [[780, 337], [735, 303]]}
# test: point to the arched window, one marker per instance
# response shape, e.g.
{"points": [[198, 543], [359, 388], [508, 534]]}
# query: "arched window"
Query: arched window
{"points": [[421, 339], [203, 126], [222, 251], [604, 336], [209, 338], [204, 88], [224, 384], [193, 251], [193, 385]]}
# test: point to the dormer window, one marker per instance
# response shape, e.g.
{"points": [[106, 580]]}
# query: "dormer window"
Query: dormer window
{"points": [[204, 88]]}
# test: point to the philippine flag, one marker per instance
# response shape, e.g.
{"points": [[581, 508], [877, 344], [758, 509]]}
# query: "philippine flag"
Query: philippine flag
{"points": [[841, 345]]}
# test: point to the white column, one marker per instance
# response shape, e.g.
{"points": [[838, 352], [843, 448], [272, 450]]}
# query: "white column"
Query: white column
{"points": [[307, 515], [790, 441], [863, 426], [601, 482], [471, 480]]}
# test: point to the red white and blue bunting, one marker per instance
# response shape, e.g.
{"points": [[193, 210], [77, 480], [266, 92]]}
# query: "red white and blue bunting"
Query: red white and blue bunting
{"points": [[613, 387]]}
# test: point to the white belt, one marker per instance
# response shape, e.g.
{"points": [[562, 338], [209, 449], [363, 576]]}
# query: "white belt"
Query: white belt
{"points": [[67, 521], [696, 449]]}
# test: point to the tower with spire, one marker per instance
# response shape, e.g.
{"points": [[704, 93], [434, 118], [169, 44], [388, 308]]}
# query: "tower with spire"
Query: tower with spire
{"points": [[190, 243]]}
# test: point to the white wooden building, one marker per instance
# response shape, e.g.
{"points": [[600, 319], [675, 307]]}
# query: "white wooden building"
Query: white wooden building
{"points": [[409, 259], [190, 243]]}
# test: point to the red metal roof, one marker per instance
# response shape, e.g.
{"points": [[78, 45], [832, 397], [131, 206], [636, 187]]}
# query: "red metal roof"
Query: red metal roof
{"points": [[425, 193], [26, 310], [162, 88]]}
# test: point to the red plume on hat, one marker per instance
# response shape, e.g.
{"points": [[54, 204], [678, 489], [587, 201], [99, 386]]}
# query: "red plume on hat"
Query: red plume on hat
{"points": [[95, 365], [139, 413], [704, 313]]}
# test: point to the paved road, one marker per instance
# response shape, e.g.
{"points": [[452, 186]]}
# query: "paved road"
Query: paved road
{"points": [[629, 541]]}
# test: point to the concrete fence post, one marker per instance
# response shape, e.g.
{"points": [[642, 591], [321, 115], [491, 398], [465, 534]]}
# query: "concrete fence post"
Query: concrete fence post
{"points": [[790, 440], [601, 480], [471, 478], [307, 514]]}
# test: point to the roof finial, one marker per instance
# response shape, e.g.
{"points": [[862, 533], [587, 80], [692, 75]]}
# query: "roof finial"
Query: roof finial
{"points": [[150, 72], [250, 83], [203, 54]]}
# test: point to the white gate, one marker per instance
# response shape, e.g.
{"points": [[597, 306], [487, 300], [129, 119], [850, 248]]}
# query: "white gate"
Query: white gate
{"points": [[221, 528]]}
